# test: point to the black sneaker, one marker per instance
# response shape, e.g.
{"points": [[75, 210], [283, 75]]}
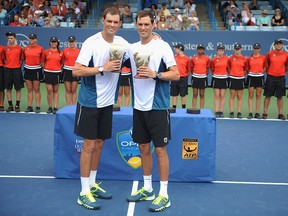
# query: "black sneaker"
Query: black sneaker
{"points": [[231, 115], [239, 115], [37, 109], [17, 109], [221, 115], [281, 117], [264, 116], [49, 111], [257, 116], [29, 109], [55, 110], [250, 116], [217, 114], [2, 109], [10, 109]]}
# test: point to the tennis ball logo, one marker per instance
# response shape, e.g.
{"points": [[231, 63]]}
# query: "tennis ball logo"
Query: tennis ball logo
{"points": [[135, 162]]}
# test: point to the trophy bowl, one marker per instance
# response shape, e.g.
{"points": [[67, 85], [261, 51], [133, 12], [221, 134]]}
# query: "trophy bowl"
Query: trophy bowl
{"points": [[116, 52], [141, 58]]}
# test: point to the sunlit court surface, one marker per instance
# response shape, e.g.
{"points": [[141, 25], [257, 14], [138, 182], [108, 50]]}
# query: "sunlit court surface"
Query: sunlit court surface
{"points": [[251, 174]]}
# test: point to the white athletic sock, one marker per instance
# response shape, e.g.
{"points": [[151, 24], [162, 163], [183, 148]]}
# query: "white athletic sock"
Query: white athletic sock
{"points": [[163, 188], [85, 185], [92, 177], [148, 183]]}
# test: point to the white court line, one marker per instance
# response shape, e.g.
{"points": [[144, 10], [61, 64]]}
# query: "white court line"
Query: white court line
{"points": [[251, 183], [36, 177], [131, 206]]}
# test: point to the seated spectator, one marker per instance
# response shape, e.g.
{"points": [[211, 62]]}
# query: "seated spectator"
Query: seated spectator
{"points": [[153, 10], [162, 23], [3, 12], [264, 19], [77, 10], [189, 8], [47, 23], [13, 3], [185, 25], [23, 17], [175, 23], [177, 4], [6, 6], [41, 8], [237, 21], [16, 21], [245, 14], [70, 16], [232, 13], [194, 26], [165, 10], [31, 22], [178, 15], [25, 9], [47, 6], [193, 17], [148, 3], [39, 17], [126, 15], [59, 9], [253, 5], [54, 21], [227, 6], [278, 19], [80, 6]]}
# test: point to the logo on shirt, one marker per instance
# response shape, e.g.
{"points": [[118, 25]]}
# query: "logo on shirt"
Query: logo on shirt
{"points": [[128, 149]]}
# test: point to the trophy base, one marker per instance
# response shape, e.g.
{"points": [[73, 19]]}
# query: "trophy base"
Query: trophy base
{"points": [[172, 110], [116, 108], [193, 111]]}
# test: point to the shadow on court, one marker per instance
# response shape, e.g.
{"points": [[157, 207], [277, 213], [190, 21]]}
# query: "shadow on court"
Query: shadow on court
{"points": [[249, 155]]}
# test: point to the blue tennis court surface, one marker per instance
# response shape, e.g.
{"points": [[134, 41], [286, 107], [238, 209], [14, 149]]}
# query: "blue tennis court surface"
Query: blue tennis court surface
{"points": [[251, 174]]}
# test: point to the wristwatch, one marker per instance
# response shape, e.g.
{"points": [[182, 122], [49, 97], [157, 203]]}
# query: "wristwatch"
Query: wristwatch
{"points": [[159, 75], [100, 69]]}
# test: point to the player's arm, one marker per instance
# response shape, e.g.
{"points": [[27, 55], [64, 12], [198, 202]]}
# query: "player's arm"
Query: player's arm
{"points": [[82, 70]]}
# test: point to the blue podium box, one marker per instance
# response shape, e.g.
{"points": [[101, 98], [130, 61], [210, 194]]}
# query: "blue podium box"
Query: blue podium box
{"points": [[114, 163]]}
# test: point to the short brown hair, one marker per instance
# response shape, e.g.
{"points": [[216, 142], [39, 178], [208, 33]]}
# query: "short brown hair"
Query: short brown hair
{"points": [[112, 11], [145, 13]]}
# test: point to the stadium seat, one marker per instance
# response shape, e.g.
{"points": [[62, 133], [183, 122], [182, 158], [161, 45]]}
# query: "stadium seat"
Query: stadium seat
{"points": [[252, 28], [280, 28], [266, 28], [128, 26], [237, 28], [67, 24], [267, 7]]}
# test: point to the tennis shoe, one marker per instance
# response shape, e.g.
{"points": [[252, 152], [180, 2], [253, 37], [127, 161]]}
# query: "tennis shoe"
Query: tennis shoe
{"points": [[99, 192], [257, 116], [37, 109], [250, 116], [10, 109], [141, 195], [231, 115], [88, 201], [29, 109], [221, 115], [49, 111], [160, 204]]}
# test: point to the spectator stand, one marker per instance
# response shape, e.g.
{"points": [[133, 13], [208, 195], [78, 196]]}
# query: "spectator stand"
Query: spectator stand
{"points": [[10, 16]]}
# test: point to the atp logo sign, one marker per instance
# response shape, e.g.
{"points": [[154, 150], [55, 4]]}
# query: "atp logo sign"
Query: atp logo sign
{"points": [[128, 149]]}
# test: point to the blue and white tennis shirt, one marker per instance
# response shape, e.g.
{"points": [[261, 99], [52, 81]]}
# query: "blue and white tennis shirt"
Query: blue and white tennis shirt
{"points": [[98, 91], [151, 94]]}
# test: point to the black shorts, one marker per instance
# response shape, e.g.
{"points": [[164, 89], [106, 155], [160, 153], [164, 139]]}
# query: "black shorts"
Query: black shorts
{"points": [[151, 125], [51, 78], [179, 87], [13, 76], [275, 86], [33, 74], [2, 83], [68, 77], [199, 83], [218, 83], [93, 123], [255, 82], [236, 84], [125, 80]]}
